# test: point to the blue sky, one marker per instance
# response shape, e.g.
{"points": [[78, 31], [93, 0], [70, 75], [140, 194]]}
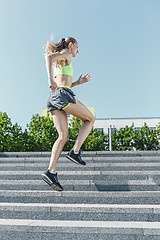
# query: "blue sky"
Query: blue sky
{"points": [[119, 45]]}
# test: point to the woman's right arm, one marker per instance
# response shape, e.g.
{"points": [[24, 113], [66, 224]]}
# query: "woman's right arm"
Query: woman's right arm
{"points": [[49, 64], [50, 59]]}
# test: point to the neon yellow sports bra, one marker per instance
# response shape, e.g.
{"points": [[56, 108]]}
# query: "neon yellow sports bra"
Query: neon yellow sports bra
{"points": [[67, 70]]}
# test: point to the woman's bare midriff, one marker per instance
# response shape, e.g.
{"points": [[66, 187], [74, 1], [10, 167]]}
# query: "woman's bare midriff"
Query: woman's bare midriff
{"points": [[62, 80]]}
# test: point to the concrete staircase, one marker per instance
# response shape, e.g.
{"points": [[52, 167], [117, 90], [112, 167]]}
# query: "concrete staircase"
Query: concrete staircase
{"points": [[116, 196]]}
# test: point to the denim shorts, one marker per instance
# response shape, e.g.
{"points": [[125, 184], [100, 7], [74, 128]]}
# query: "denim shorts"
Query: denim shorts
{"points": [[61, 98]]}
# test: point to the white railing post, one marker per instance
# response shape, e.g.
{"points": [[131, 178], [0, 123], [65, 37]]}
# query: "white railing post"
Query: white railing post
{"points": [[110, 136]]}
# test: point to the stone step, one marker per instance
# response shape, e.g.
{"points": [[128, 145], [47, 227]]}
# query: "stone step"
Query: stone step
{"points": [[85, 153], [89, 167], [102, 208], [84, 185], [68, 236], [83, 182], [115, 196], [72, 236], [79, 212], [71, 164], [86, 158], [92, 197], [83, 175], [121, 229]]}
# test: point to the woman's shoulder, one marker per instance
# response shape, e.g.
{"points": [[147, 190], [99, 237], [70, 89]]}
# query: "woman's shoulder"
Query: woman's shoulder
{"points": [[62, 57], [66, 53]]}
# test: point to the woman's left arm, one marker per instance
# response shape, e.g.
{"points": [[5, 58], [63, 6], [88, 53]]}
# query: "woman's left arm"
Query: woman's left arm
{"points": [[81, 80]]}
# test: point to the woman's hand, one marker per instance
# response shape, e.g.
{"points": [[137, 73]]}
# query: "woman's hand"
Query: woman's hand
{"points": [[84, 79], [53, 86]]}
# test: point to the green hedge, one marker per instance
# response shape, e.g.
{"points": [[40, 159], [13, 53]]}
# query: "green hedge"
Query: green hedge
{"points": [[130, 139], [40, 134]]}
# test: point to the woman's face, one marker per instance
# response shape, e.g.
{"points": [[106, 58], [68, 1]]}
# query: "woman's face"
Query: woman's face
{"points": [[74, 49]]}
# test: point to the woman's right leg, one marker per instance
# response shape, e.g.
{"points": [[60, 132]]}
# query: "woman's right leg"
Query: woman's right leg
{"points": [[61, 124]]}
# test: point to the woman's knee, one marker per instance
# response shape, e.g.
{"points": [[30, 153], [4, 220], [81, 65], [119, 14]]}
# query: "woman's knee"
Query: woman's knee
{"points": [[63, 137], [90, 118], [93, 118]]}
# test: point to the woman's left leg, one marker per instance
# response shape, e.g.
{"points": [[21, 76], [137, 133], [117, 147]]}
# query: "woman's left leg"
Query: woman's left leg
{"points": [[81, 111]]}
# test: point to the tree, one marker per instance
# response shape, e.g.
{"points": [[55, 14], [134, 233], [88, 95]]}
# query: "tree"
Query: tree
{"points": [[146, 139], [43, 133], [5, 129], [11, 136], [122, 139]]}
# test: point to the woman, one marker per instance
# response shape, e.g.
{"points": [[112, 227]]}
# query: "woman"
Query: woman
{"points": [[62, 100]]}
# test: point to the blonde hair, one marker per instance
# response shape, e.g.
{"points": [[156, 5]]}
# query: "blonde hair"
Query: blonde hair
{"points": [[63, 43]]}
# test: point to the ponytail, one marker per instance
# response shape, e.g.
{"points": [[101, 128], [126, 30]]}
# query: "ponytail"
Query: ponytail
{"points": [[63, 43]]}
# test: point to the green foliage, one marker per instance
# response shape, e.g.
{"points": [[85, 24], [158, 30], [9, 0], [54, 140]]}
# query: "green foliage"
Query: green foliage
{"points": [[158, 131], [130, 139], [12, 138], [122, 139], [16, 139], [41, 134], [96, 141], [146, 139], [5, 129]]}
